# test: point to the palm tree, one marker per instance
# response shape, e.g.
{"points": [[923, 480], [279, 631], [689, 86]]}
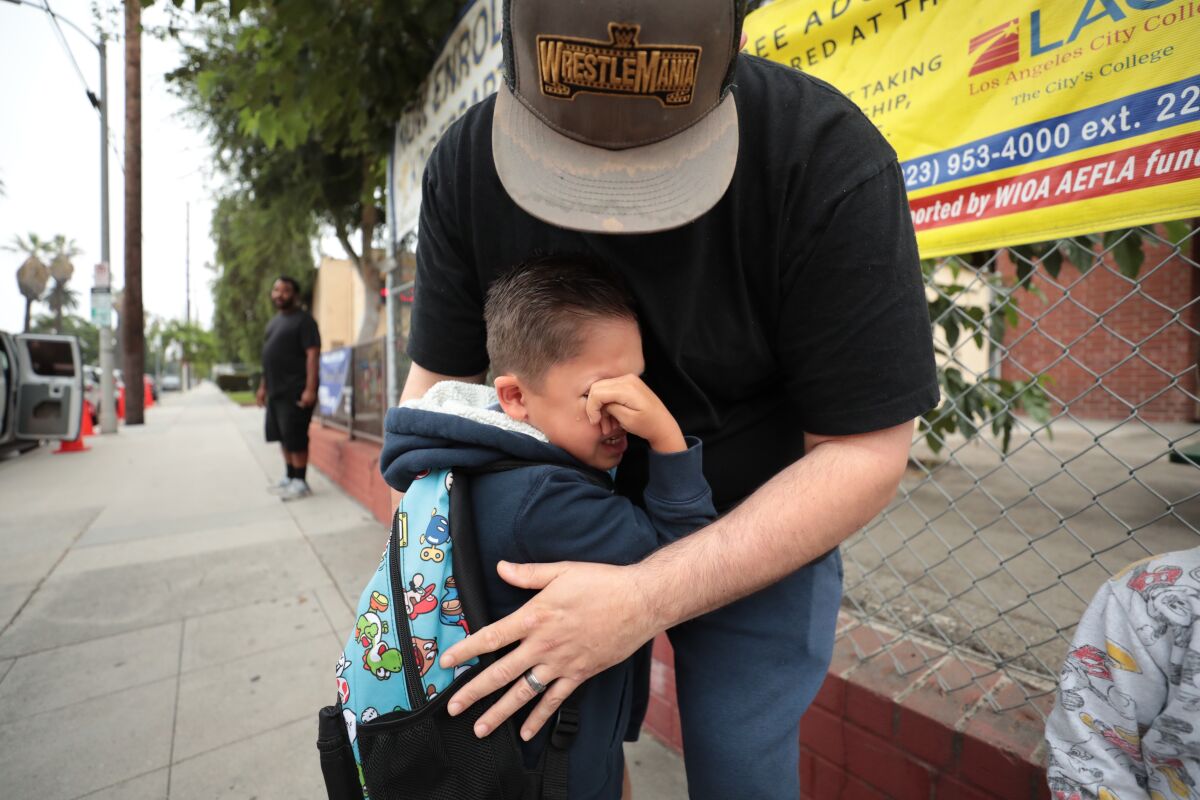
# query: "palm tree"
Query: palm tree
{"points": [[32, 275], [60, 298]]}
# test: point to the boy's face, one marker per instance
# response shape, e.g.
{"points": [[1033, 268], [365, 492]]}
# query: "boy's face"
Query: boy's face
{"points": [[611, 348]]}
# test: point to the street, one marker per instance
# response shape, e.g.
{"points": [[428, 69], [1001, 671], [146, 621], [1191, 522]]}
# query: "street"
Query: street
{"points": [[168, 628]]}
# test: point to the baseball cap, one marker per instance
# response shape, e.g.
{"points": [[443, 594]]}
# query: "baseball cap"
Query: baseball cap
{"points": [[616, 116]]}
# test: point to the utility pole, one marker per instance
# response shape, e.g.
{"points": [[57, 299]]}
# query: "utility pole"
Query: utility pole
{"points": [[187, 264], [108, 404], [134, 322], [187, 272]]}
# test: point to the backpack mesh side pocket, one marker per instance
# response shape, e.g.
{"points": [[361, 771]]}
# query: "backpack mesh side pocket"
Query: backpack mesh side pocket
{"points": [[429, 755]]}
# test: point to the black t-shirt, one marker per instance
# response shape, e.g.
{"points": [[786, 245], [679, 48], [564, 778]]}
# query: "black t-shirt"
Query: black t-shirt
{"points": [[796, 304], [284, 351]]}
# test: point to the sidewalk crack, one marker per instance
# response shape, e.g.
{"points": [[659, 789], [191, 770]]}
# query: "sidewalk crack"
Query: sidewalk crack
{"points": [[175, 711], [122, 782], [82, 530], [238, 741]]}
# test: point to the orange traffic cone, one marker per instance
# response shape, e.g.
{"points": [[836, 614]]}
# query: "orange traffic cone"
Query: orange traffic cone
{"points": [[121, 403], [77, 445], [85, 427], [147, 396]]}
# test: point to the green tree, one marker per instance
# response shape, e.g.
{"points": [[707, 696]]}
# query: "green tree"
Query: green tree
{"points": [[172, 342], [61, 298], [256, 242], [192, 344], [299, 100]]}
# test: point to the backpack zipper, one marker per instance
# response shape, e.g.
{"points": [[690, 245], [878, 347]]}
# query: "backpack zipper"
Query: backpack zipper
{"points": [[412, 678]]}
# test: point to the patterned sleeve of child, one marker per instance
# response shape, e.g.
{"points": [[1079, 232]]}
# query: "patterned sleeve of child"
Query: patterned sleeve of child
{"points": [[1124, 716]]}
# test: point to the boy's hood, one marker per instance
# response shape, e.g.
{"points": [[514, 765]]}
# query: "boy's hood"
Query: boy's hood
{"points": [[457, 425]]}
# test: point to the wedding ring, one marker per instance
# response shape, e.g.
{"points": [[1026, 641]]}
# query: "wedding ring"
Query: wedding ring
{"points": [[531, 679]]}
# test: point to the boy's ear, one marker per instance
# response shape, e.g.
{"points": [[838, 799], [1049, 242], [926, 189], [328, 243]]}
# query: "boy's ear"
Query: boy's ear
{"points": [[511, 397]]}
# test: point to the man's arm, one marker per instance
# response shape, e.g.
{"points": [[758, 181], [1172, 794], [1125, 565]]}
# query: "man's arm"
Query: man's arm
{"points": [[590, 616], [312, 360]]}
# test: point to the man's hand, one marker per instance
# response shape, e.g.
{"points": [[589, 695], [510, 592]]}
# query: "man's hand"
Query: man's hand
{"points": [[308, 398], [629, 401], [260, 396], [586, 618]]}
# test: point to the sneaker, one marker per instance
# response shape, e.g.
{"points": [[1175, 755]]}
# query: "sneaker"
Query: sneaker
{"points": [[280, 486], [296, 489]]}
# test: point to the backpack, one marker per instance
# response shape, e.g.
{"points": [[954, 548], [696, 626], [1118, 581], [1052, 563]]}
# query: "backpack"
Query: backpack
{"points": [[388, 735]]}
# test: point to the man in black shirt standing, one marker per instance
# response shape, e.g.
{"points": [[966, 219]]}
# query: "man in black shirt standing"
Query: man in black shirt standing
{"points": [[761, 224], [288, 388]]}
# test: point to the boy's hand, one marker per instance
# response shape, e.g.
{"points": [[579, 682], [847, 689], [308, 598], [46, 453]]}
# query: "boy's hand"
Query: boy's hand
{"points": [[629, 401]]}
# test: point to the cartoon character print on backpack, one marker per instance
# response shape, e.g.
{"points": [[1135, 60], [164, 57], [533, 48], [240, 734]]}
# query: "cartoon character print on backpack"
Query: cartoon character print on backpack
{"points": [[437, 533], [343, 685], [379, 658], [425, 653], [419, 598], [402, 524], [452, 610]]}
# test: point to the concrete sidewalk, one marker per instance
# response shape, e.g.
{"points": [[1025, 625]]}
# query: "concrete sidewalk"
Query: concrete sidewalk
{"points": [[168, 628]]}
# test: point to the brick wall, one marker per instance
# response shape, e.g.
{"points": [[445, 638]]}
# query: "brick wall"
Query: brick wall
{"points": [[872, 732], [1101, 321], [353, 465]]}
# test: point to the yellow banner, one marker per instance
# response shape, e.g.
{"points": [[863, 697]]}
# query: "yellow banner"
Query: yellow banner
{"points": [[1015, 121]]}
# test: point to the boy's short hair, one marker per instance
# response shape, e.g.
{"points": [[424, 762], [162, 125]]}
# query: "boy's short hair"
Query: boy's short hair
{"points": [[534, 312]]}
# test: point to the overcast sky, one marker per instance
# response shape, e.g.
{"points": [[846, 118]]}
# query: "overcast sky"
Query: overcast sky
{"points": [[50, 161]]}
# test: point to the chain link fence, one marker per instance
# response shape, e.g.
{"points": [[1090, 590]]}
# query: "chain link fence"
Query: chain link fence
{"points": [[1066, 447]]}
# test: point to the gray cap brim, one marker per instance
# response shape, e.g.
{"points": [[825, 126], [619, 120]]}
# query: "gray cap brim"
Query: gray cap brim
{"points": [[572, 185]]}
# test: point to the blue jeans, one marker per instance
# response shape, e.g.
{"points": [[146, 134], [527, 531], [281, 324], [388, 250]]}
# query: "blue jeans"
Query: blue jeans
{"points": [[745, 674]]}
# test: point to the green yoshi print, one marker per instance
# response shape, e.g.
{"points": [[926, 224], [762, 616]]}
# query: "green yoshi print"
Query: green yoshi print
{"points": [[378, 659]]}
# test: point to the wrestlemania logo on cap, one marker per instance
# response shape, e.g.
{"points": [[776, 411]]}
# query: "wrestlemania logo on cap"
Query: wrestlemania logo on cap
{"points": [[621, 66]]}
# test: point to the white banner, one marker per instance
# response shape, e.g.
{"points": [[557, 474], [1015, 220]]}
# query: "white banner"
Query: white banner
{"points": [[469, 68]]}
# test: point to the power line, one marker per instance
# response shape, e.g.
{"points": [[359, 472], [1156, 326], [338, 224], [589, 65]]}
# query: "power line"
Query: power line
{"points": [[62, 39]]}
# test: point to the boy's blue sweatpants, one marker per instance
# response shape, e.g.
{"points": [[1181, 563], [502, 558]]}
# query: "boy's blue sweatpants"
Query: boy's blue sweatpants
{"points": [[745, 674]]}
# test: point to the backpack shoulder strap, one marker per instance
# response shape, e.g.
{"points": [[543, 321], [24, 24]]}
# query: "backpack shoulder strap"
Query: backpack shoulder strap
{"points": [[468, 568], [555, 759]]}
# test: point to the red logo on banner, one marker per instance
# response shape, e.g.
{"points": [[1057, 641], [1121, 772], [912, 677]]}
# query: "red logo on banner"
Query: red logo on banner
{"points": [[1001, 47]]}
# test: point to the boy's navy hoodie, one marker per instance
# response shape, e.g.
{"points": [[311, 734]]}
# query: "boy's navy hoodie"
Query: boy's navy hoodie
{"points": [[550, 512]]}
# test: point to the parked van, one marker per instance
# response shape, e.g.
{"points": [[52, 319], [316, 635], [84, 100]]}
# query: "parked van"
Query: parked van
{"points": [[41, 389]]}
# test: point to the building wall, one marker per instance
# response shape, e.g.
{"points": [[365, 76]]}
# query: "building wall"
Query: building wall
{"points": [[338, 303], [1111, 346]]}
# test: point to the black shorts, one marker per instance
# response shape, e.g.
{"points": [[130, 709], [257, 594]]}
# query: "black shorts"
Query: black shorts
{"points": [[287, 423]]}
